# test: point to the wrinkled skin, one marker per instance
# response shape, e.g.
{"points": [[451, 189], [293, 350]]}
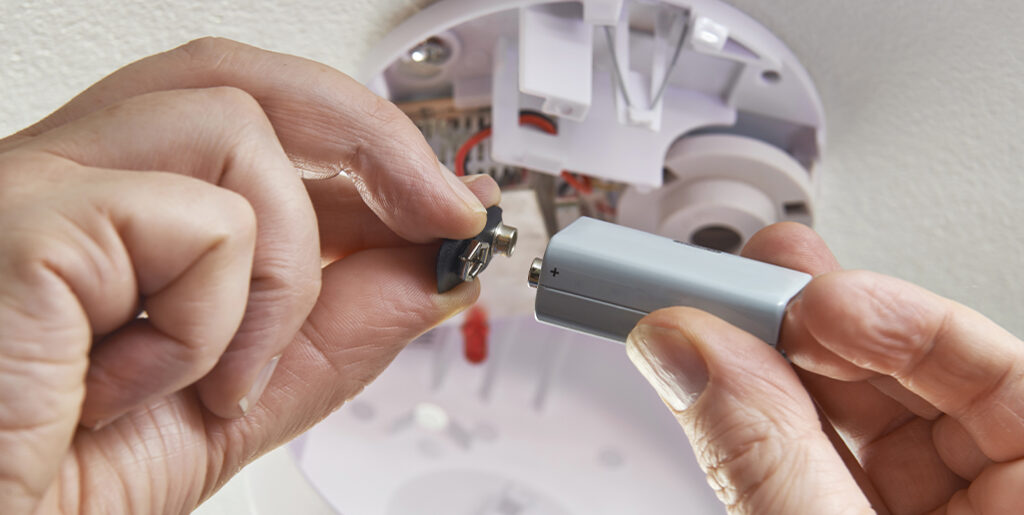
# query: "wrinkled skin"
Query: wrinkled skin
{"points": [[168, 189], [897, 400]]}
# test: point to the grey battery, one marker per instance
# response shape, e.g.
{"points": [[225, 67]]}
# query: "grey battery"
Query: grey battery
{"points": [[600, 278]]}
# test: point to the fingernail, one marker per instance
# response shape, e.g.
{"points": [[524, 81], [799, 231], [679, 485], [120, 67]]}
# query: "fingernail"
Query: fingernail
{"points": [[461, 190], [796, 305], [483, 188], [670, 362], [259, 385]]}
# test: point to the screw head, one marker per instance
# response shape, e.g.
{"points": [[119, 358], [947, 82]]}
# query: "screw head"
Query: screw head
{"points": [[433, 51]]}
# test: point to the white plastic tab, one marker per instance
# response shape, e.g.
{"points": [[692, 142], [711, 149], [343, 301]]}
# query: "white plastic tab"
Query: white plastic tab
{"points": [[556, 61], [600, 144], [709, 35]]}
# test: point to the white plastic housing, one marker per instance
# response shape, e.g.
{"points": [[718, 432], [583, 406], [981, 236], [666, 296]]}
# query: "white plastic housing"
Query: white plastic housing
{"points": [[555, 424], [726, 182], [615, 120]]}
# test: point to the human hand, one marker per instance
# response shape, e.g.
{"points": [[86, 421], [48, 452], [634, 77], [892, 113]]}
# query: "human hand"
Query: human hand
{"points": [[923, 399], [167, 187]]}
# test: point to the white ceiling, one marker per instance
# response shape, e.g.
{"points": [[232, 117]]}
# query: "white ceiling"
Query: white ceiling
{"points": [[921, 179]]}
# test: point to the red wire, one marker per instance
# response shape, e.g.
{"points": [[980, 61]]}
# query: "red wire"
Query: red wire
{"points": [[539, 122], [582, 187], [460, 156], [524, 119], [604, 208], [586, 180]]}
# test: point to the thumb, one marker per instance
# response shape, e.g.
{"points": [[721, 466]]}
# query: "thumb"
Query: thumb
{"points": [[752, 425]]}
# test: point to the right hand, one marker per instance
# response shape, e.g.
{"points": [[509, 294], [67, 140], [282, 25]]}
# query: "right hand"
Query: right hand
{"points": [[922, 398]]}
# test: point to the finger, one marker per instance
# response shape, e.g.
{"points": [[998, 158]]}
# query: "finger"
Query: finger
{"points": [[324, 119], [861, 477], [791, 245], [798, 247], [957, 449], [753, 427], [219, 135], [349, 225], [952, 357], [892, 445], [878, 419], [191, 318], [906, 398], [997, 490], [373, 303], [484, 188], [184, 246]]}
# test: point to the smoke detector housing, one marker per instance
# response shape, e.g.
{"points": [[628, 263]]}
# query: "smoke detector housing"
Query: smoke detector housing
{"points": [[637, 88], [679, 117]]}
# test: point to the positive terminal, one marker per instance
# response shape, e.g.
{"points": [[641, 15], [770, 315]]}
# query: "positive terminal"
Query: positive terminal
{"points": [[535, 269], [504, 239]]}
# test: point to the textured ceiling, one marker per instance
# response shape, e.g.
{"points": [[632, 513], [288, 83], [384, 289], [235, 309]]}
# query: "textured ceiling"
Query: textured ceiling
{"points": [[922, 176]]}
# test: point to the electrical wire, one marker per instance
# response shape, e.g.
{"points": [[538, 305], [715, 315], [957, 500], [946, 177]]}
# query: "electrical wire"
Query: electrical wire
{"points": [[620, 77], [675, 58], [581, 186], [604, 208], [551, 121], [526, 117], [462, 155], [531, 118]]}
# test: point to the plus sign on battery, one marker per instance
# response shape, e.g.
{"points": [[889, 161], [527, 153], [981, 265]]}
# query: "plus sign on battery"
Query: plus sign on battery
{"points": [[554, 272]]}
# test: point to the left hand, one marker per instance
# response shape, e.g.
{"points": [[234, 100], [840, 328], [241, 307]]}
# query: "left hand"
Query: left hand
{"points": [[161, 436]]}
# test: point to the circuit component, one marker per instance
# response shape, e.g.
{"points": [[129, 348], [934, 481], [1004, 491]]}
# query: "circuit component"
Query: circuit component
{"points": [[460, 261], [461, 138], [447, 130]]}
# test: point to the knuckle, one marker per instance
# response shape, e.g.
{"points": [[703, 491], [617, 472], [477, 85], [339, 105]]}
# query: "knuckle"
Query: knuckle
{"points": [[383, 111], [207, 53], [308, 286], [244, 119], [289, 283], [17, 139], [733, 439], [200, 353], [404, 149], [740, 457], [899, 324], [26, 175], [32, 255], [236, 219], [236, 101], [387, 118], [23, 253]]}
